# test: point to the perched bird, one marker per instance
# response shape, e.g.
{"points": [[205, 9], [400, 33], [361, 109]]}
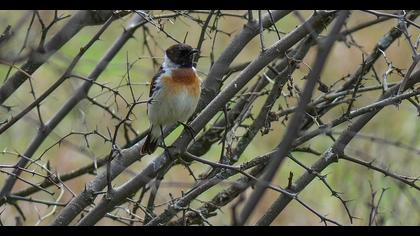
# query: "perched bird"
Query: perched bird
{"points": [[174, 93]]}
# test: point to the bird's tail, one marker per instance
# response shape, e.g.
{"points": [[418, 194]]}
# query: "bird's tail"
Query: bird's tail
{"points": [[150, 145]]}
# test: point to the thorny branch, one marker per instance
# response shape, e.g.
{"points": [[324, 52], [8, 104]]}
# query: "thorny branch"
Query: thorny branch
{"points": [[246, 99]]}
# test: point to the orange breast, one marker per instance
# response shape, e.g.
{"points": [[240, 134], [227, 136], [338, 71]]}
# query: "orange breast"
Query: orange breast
{"points": [[183, 78]]}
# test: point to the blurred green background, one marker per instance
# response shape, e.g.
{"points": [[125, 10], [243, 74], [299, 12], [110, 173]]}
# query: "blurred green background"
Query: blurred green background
{"points": [[399, 206]]}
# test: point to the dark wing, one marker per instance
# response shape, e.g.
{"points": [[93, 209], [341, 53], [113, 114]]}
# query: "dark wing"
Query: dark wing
{"points": [[153, 85]]}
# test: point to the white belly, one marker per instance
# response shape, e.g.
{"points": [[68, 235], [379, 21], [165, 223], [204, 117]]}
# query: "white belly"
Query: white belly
{"points": [[165, 112]]}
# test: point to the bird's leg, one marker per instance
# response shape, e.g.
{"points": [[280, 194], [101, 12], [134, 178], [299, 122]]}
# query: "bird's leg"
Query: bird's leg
{"points": [[189, 129], [162, 137], [163, 142]]}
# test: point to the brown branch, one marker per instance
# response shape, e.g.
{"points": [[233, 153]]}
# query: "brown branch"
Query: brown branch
{"points": [[292, 129]]}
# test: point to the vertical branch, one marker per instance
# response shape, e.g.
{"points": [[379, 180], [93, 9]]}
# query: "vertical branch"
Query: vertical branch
{"points": [[261, 30], [202, 37], [293, 127]]}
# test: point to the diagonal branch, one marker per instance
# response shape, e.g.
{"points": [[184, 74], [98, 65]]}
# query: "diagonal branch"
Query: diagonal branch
{"points": [[279, 48], [331, 155], [293, 126], [80, 20], [79, 95]]}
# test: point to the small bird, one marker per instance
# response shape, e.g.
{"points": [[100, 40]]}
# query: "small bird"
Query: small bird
{"points": [[174, 93]]}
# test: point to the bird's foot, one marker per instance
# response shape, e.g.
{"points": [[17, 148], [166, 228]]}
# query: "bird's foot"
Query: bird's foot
{"points": [[167, 148], [189, 130]]}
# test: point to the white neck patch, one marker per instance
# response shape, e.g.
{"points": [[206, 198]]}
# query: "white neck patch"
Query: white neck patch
{"points": [[168, 63]]}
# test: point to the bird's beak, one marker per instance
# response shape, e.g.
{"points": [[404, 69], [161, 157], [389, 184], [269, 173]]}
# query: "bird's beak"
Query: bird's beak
{"points": [[194, 50]]}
